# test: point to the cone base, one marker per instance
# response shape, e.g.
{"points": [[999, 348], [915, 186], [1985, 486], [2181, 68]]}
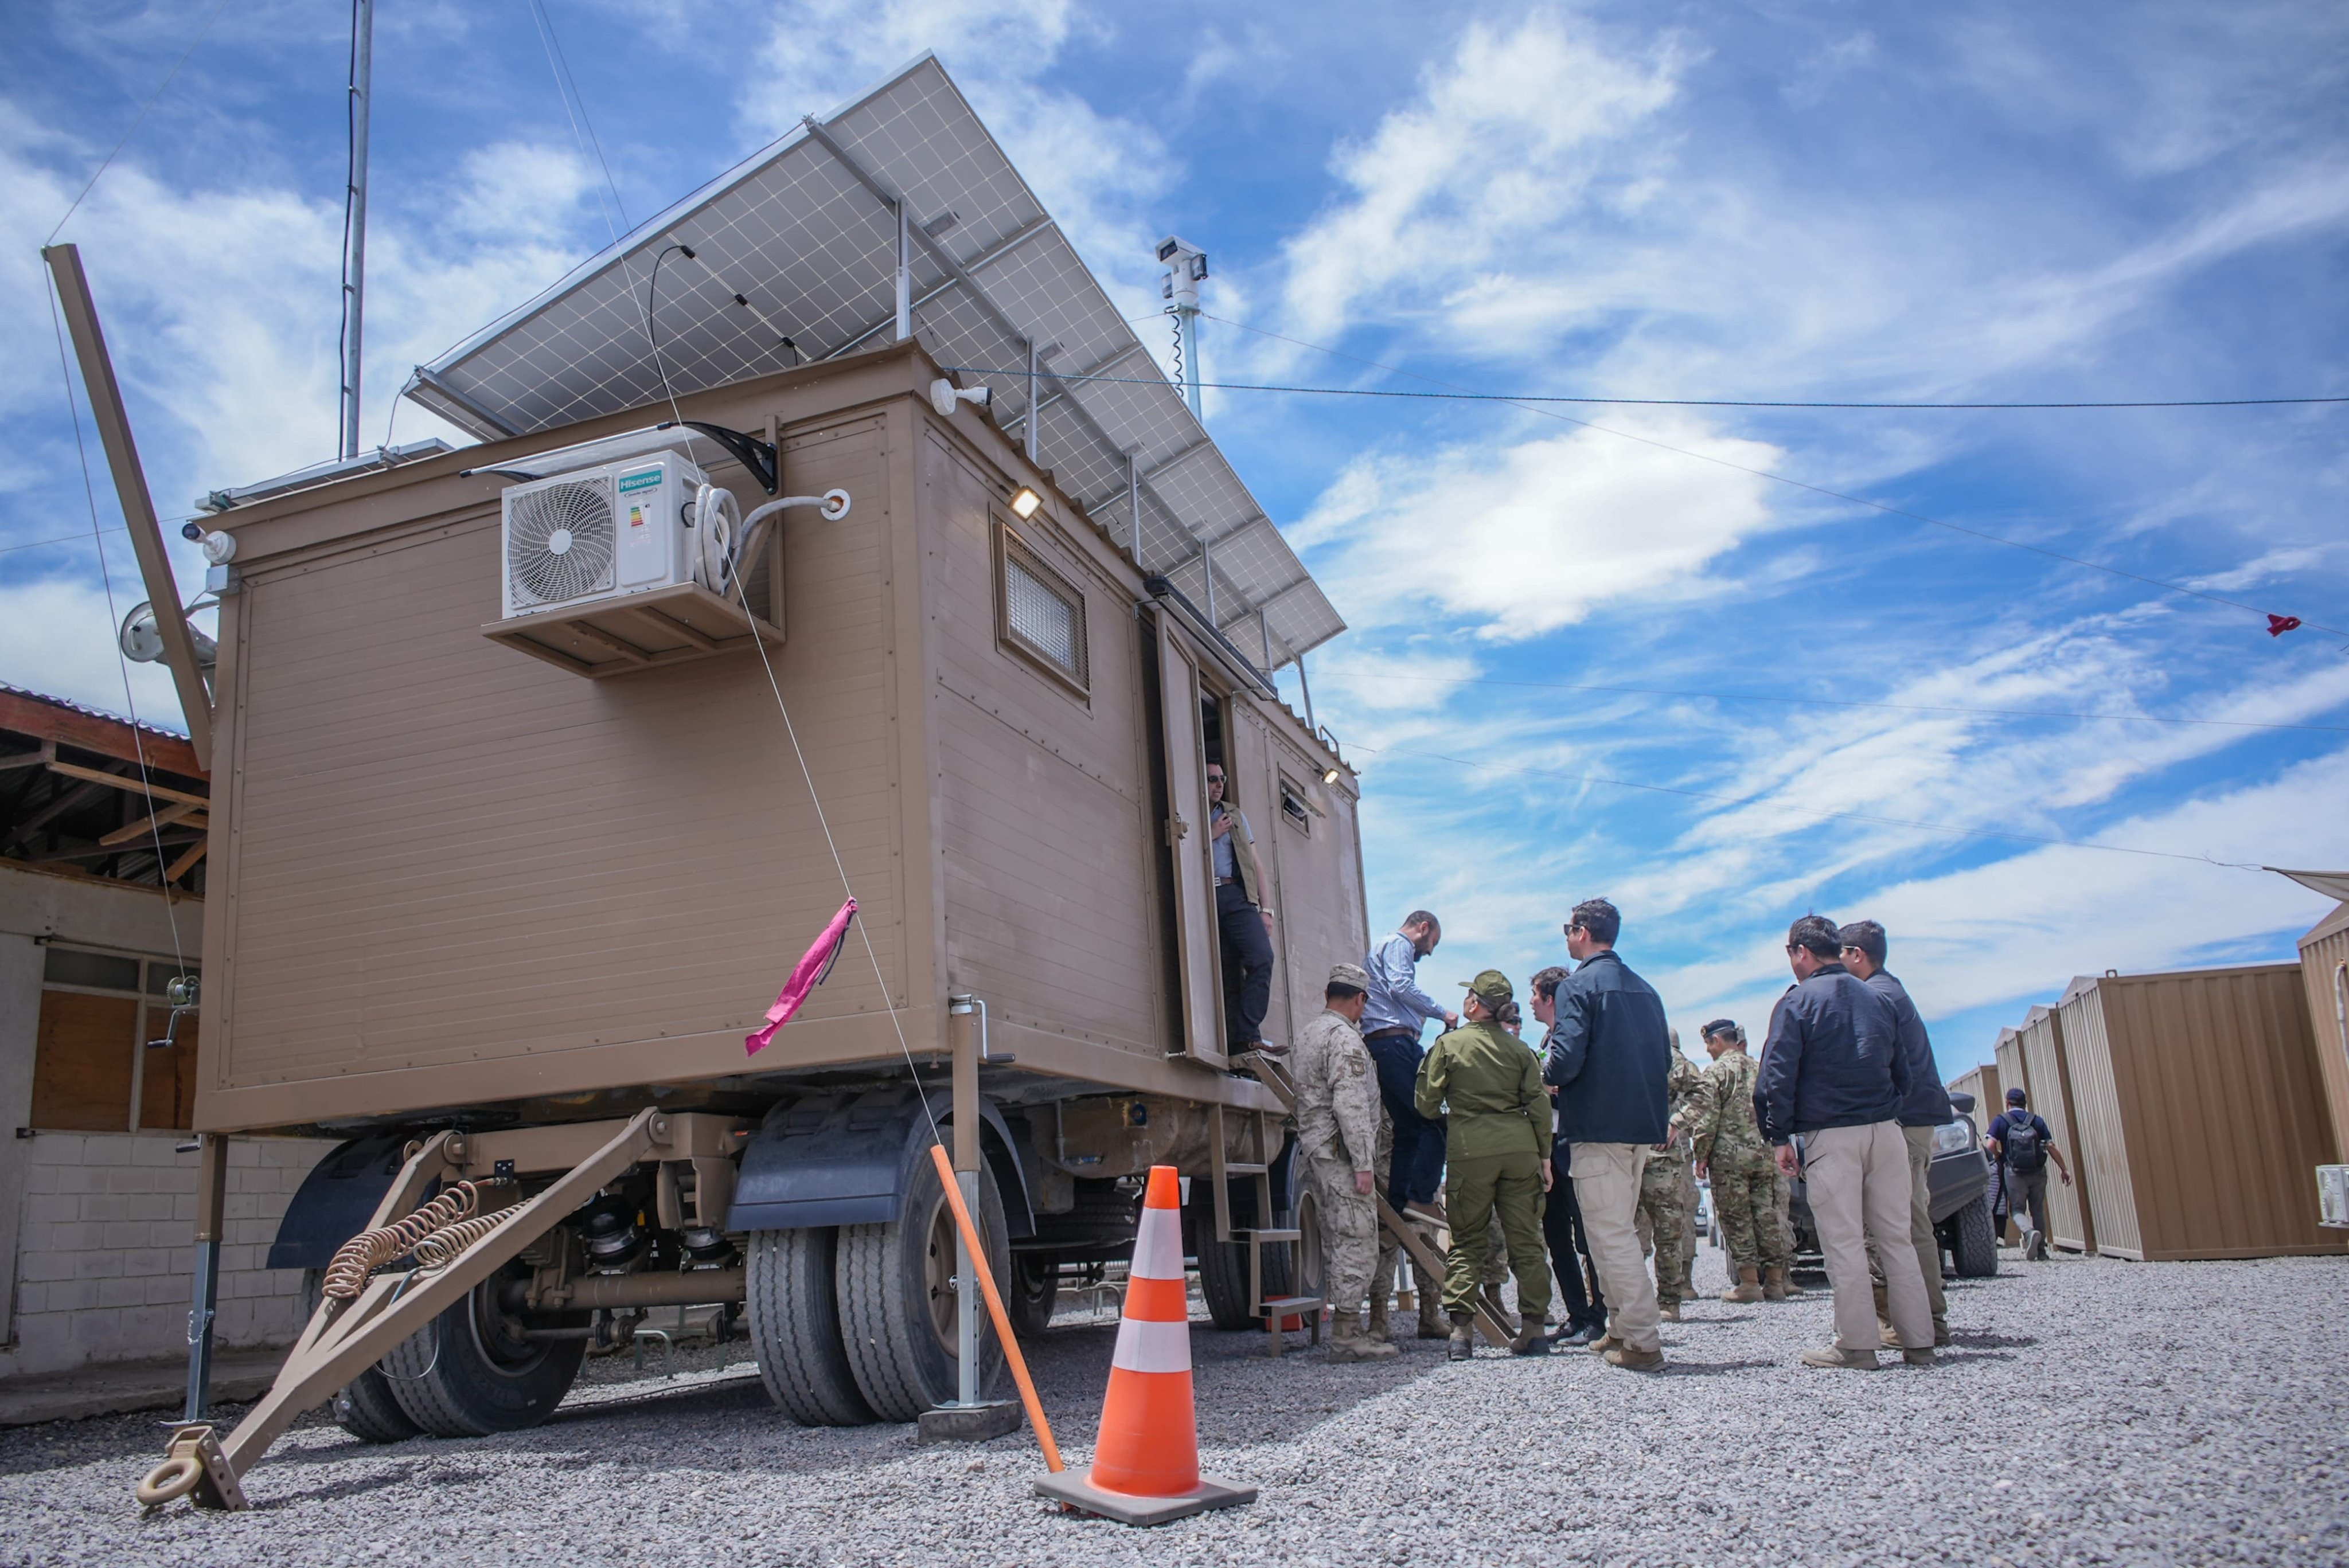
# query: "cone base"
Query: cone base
{"points": [[1076, 1492]]}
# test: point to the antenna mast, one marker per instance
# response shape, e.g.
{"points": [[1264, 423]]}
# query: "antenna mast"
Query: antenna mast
{"points": [[354, 219], [1187, 268]]}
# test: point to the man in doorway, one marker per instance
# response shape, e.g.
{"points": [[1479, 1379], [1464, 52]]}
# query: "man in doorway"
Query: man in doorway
{"points": [[2022, 1142], [1926, 1108], [1608, 1057], [1243, 919], [1569, 1244], [1832, 1075], [1339, 1124], [1495, 1148]]}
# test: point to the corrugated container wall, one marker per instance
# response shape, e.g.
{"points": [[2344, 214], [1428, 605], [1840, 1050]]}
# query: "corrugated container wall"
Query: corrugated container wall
{"points": [[2324, 971], [2199, 1101], [1982, 1083], [2011, 1075], [2071, 1205]]}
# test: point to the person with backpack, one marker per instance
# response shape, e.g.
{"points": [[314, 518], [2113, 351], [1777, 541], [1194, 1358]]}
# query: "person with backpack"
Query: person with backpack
{"points": [[2022, 1144]]}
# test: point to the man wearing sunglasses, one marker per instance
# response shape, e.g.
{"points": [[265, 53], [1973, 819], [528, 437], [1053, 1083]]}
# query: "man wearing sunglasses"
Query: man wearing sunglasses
{"points": [[1243, 919]]}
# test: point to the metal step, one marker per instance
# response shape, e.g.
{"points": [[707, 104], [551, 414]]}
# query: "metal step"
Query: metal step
{"points": [[1291, 1306], [1261, 1236], [1232, 1167]]}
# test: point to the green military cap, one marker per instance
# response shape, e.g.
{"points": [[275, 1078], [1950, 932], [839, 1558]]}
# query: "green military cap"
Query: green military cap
{"points": [[1492, 988], [1349, 975]]}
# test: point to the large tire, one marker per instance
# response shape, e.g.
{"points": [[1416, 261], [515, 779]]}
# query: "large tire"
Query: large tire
{"points": [[1977, 1242], [796, 1327], [363, 1407], [468, 1373], [1032, 1292], [897, 1313]]}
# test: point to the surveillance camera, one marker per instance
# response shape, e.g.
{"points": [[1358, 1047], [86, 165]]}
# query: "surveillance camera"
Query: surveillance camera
{"points": [[1181, 258], [945, 395], [219, 549]]}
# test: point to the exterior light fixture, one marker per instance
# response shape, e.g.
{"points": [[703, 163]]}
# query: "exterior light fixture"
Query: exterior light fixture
{"points": [[946, 397], [1024, 502], [1330, 776]]}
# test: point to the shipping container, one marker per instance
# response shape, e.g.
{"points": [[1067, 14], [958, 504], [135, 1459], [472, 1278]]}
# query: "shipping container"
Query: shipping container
{"points": [[2071, 1211], [1982, 1083], [2011, 1075], [2324, 973], [2199, 1110]]}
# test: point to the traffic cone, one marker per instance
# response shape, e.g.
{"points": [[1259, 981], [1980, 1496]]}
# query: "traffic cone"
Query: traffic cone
{"points": [[1146, 1457]]}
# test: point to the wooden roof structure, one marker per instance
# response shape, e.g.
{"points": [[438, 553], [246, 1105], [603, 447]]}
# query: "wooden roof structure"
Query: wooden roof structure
{"points": [[84, 793]]}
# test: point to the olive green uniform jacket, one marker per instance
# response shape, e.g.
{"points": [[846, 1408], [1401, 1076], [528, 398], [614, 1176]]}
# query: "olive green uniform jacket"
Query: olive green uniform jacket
{"points": [[1491, 1082]]}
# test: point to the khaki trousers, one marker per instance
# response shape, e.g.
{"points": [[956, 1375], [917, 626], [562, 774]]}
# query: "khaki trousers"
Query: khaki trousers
{"points": [[1920, 1230], [1858, 1183], [1607, 1189]]}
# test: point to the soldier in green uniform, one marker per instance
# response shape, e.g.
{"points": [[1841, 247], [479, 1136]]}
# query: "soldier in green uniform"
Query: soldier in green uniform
{"points": [[1736, 1158], [1663, 1217], [1496, 1152]]}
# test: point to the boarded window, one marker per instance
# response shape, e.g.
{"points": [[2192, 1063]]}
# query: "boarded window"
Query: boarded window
{"points": [[1043, 612], [82, 1061], [167, 1089]]}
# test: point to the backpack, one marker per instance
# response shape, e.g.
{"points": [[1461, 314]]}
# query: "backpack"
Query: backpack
{"points": [[2026, 1151]]}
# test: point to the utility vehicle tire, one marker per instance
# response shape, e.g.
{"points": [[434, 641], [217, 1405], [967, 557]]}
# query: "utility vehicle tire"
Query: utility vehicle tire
{"points": [[897, 1305], [1223, 1266], [794, 1315], [470, 1372], [1977, 1242], [1032, 1292], [365, 1408]]}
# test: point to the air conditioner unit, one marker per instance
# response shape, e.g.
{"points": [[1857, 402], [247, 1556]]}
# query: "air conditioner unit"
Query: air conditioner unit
{"points": [[606, 532]]}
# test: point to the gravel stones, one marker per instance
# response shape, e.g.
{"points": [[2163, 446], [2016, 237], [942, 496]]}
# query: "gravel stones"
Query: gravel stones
{"points": [[2090, 1412]]}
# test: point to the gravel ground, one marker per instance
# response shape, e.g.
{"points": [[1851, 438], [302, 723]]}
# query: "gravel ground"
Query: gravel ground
{"points": [[2091, 1412]]}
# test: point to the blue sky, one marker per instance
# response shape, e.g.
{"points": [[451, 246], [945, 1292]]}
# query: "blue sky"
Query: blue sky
{"points": [[1762, 201]]}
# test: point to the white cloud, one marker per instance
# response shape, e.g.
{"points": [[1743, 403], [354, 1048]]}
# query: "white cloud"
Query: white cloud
{"points": [[1510, 135], [1522, 539], [57, 638]]}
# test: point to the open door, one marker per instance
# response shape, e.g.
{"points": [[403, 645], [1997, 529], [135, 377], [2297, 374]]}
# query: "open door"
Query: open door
{"points": [[1198, 955]]}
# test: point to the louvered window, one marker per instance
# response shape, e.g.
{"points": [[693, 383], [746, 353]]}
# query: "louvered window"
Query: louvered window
{"points": [[1043, 612]]}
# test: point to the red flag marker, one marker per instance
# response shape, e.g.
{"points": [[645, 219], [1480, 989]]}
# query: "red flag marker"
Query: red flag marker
{"points": [[2278, 624], [814, 964]]}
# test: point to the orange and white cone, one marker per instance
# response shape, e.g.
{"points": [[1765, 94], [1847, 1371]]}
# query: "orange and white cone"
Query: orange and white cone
{"points": [[1146, 1457]]}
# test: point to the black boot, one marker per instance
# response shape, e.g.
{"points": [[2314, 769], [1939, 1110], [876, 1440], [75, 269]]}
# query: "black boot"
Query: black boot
{"points": [[1464, 1336]]}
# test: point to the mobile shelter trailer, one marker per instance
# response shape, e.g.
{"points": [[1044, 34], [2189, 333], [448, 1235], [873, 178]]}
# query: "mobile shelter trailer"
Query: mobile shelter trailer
{"points": [[499, 888], [2047, 1073], [2324, 973]]}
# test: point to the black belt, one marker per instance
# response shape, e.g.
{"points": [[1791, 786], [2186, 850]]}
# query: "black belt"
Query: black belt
{"points": [[1382, 1034]]}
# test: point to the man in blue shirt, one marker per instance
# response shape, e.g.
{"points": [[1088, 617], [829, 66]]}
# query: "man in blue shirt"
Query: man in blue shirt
{"points": [[1397, 1011], [2023, 1143]]}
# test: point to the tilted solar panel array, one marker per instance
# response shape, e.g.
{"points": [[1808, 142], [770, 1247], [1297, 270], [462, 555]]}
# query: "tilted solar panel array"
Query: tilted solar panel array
{"points": [[807, 232]]}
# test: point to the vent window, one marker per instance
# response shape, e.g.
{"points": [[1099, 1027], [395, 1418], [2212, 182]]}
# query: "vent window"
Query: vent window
{"points": [[1293, 809], [1043, 613]]}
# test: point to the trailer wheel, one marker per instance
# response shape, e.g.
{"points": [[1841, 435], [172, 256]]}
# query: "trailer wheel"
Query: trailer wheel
{"points": [[1033, 1292], [1977, 1242], [364, 1407], [472, 1370], [796, 1327], [895, 1289]]}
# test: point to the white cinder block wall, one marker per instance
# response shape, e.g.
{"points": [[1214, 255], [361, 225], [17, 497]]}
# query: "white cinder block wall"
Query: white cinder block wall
{"points": [[106, 1249], [98, 1228]]}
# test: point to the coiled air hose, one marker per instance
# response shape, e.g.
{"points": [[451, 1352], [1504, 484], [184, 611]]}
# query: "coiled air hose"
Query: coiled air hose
{"points": [[358, 1259]]}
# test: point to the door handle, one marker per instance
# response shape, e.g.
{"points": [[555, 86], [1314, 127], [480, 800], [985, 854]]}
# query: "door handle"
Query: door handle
{"points": [[1177, 830]]}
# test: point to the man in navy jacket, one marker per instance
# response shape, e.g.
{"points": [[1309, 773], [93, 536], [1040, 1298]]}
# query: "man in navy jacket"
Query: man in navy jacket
{"points": [[1609, 1055], [1832, 1073], [1926, 1109]]}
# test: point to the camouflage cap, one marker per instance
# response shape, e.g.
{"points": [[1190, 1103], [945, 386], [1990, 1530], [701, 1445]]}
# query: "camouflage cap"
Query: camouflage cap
{"points": [[1349, 975], [1492, 987]]}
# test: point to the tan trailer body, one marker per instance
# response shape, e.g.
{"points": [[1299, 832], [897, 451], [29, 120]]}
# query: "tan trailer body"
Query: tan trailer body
{"points": [[2199, 1113], [1990, 1098], [450, 875], [2324, 973]]}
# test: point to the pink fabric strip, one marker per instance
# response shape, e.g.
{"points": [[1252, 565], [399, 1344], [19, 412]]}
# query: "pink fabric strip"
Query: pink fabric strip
{"points": [[806, 975]]}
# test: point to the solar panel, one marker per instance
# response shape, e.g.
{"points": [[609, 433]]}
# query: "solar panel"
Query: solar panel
{"points": [[806, 231]]}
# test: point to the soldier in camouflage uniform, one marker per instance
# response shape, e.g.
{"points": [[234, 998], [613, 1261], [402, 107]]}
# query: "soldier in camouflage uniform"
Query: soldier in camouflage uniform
{"points": [[1738, 1162], [1662, 1218], [1339, 1127]]}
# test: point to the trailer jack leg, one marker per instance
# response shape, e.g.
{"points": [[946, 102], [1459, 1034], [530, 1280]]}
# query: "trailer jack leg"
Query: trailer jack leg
{"points": [[345, 1338]]}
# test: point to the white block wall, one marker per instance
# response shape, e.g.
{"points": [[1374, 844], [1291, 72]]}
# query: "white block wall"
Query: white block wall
{"points": [[105, 1250]]}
